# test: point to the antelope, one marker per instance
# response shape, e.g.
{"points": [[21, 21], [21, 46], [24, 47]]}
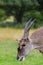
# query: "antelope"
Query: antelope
{"points": [[28, 43]]}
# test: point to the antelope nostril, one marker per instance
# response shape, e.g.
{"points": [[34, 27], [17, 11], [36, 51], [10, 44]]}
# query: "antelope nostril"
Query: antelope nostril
{"points": [[21, 59]]}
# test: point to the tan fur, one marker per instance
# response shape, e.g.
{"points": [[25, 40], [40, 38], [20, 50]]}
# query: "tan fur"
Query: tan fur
{"points": [[37, 36]]}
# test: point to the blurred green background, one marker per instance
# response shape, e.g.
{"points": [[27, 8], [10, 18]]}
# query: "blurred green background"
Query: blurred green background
{"points": [[21, 11]]}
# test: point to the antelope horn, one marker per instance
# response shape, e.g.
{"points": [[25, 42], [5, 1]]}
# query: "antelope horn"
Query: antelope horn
{"points": [[27, 27]]}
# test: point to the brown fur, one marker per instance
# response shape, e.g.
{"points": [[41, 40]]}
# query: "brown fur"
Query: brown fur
{"points": [[37, 36], [37, 39]]}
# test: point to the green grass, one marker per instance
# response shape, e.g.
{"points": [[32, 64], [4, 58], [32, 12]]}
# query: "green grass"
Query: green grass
{"points": [[8, 53]]}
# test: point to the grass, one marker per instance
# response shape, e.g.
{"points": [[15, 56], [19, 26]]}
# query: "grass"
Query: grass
{"points": [[8, 53], [8, 49]]}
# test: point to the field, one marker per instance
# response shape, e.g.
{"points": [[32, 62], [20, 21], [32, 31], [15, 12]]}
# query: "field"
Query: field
{"points": [[8, 49]]}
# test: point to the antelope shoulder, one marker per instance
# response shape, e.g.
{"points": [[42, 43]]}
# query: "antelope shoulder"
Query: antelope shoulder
{"points": [[37, 36]]}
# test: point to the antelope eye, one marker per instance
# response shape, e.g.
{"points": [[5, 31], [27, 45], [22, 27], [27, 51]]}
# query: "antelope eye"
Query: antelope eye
{"points": [[23, 45]]}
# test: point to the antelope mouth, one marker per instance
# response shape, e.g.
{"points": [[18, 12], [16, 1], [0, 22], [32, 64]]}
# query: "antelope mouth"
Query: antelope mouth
{"points": [[21, 58]]}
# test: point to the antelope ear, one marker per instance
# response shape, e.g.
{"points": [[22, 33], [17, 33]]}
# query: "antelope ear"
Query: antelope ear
{"points": [[17, 40]]}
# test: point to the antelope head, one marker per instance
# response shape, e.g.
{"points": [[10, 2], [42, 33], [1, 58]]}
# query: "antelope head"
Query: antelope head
{"points": [[24, 46]]}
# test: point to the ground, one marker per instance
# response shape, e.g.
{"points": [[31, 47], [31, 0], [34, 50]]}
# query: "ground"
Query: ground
{"points": [[8, 49]]}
